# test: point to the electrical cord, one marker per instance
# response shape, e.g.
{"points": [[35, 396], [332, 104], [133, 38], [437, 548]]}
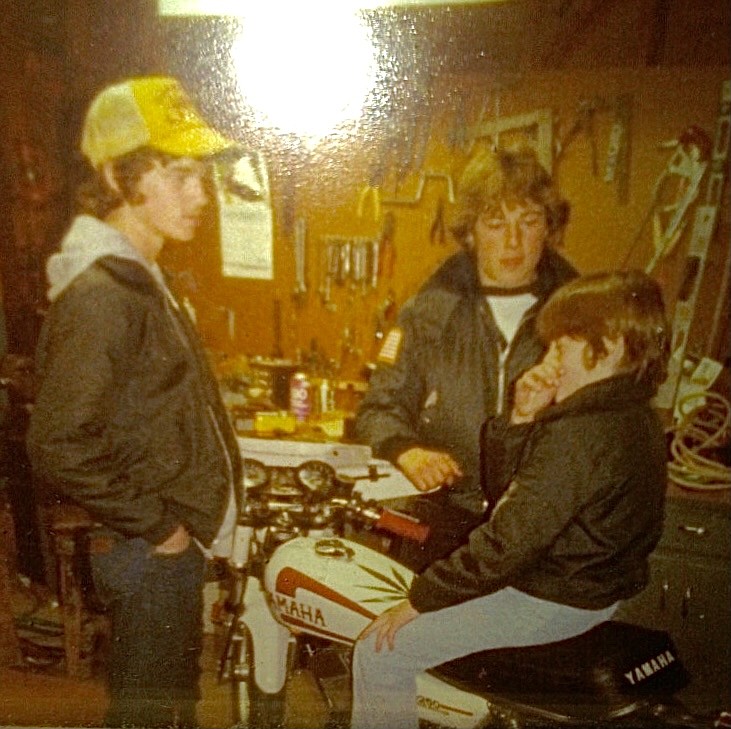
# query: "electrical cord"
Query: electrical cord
{"points": [[701, 431]]}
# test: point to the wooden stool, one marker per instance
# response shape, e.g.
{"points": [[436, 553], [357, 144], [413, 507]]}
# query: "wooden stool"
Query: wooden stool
{"points": [[69, 526]]}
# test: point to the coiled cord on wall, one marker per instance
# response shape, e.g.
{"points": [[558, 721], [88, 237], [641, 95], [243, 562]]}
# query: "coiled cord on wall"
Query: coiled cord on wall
{"points": [[703, 430]]}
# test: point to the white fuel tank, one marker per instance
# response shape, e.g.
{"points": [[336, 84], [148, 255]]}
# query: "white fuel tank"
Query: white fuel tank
{"points": [[333, 587]]}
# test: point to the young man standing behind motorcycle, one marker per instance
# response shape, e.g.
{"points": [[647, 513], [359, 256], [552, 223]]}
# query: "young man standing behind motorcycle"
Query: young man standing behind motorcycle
{"points": [[463, 340], [583, 459]]}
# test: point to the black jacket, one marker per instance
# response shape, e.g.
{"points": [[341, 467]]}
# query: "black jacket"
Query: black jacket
{"points": [[583, 511], [445, 381], [128, 421]]}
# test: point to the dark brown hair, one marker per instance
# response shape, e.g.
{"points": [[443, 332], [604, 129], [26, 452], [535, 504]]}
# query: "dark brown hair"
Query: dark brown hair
{"points": [[517, 175], [95, 196], [626, 304]]}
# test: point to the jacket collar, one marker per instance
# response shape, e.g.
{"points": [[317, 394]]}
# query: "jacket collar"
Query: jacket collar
{"points": [[614, 393], [130, 273], [91, 241], [457, 279], [458, 275]]}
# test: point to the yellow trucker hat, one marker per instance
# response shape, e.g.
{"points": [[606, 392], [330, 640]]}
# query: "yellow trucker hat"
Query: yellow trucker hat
{"points": [[149, 111]]}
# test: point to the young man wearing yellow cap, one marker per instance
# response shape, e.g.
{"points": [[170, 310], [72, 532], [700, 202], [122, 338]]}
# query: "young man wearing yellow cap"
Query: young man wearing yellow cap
{"points": [[128, 420]]}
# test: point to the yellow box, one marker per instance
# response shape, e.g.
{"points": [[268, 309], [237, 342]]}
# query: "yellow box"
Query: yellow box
{"points": [[276, 421], [331, 423]]}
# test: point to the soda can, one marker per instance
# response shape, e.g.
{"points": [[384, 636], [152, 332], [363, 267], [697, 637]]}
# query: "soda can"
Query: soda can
{"points": [[300, 396]]}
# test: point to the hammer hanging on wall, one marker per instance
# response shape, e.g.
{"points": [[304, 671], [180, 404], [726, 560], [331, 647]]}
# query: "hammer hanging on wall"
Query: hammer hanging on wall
{"points": [[387, 250]]}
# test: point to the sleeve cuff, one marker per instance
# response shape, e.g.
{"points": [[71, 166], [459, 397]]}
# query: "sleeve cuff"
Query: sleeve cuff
{"points": [[163, 529], [391, 448], [426, 597]]}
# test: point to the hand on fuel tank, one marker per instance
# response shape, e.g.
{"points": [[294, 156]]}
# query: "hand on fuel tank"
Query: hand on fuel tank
{"points": [[536, 388], [428, 469], [387, 624]]}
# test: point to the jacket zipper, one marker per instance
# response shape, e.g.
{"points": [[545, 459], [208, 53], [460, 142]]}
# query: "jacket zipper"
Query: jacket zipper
{"points": [[222, 443], [501, 373]]}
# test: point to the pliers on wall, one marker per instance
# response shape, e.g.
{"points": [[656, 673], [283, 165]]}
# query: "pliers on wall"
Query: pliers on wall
{"points": [[438, 230]]}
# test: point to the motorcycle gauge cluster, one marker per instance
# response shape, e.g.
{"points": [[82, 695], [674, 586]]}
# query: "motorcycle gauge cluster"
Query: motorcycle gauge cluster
{"points": [[281, 481], [316, 475], [255, 474]]}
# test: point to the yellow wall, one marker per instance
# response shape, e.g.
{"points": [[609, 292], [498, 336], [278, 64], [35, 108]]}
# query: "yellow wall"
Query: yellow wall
{"points": [[323, 188]]}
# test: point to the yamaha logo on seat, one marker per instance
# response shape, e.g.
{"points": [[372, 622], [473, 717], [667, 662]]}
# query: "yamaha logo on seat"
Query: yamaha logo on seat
{"points": [[645, 670]]}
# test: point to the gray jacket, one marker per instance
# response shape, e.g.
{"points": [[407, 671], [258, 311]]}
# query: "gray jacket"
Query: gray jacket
{"points": [[128, 421], [448, 376]]}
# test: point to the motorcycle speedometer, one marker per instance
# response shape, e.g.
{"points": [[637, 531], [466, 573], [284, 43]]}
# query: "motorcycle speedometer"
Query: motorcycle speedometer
{"points": [[255, 473], [316, 476]]}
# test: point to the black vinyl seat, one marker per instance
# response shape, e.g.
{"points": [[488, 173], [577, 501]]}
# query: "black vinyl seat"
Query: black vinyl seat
{"points": [[607, 671]]}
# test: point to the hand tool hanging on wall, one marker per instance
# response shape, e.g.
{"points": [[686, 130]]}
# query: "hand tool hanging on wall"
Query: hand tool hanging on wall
{"points": [[618, 153], [385, 314], [300, 261], [277, 329], [387, 254], [359, 264], [374, 262], [370, 193], [350, 261], [438, 230], [292, 162], [424, 177], [330, 259], [344, 261], [230, 323], [704, 225], [584, 123]]}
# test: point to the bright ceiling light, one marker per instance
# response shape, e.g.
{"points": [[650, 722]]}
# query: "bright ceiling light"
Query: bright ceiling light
{"points": [[306, 74]]}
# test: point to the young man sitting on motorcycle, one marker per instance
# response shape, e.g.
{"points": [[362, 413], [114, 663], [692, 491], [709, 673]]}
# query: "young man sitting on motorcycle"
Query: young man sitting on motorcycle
{"points": [[582, 463]]}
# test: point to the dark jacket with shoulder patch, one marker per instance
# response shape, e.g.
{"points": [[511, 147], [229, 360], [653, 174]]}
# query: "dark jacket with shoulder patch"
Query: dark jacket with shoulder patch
{"points": [[446, 379]]}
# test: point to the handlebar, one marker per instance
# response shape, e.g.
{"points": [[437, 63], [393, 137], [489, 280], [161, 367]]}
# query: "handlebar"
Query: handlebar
{"points": [[265, 509], [403, 525]]}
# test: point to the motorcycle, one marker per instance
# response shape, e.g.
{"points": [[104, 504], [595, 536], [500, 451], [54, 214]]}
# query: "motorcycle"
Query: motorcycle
{"points": [[304, 583]]}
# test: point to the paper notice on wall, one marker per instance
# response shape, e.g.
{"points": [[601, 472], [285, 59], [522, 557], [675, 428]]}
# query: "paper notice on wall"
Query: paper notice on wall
{"points": [[245, 214]]}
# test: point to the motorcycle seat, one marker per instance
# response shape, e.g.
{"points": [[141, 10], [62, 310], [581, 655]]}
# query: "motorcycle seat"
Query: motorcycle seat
{"points": [[605, 670]]}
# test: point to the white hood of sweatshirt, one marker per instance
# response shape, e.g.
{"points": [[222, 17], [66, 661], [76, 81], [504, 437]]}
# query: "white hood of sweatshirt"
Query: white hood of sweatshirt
{"points": [[87, 240]]}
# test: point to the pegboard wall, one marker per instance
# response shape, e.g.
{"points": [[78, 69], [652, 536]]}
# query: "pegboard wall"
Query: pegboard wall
{"points": [[415, 171]]}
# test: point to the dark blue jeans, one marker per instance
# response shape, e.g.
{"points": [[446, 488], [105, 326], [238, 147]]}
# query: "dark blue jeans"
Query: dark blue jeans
{"points": [[156, 604]]}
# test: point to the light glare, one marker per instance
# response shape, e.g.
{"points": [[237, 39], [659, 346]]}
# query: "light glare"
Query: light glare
{"points": [[307, 73]]}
